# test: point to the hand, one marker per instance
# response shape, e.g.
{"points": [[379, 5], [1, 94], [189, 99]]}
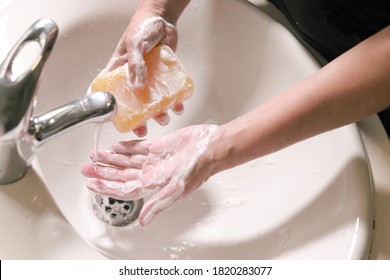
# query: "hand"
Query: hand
{"points": [[144, 32], [166, 169]]}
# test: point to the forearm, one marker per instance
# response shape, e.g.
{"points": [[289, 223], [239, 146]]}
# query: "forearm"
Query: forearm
{"points": [[170, 10], [355, 85]]}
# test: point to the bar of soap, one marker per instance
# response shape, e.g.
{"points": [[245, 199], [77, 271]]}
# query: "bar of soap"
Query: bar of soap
{"points": [[168, 84]]}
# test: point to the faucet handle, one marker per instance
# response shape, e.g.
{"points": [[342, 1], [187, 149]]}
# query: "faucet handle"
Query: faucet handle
{"points": [[43, 31], [17, 92]]}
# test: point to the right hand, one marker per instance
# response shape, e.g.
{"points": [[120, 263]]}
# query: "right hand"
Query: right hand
{"points": [[144, 32]]}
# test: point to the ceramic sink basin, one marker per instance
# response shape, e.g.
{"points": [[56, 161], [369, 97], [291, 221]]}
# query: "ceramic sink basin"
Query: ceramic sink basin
{"points": [[309, 201]]}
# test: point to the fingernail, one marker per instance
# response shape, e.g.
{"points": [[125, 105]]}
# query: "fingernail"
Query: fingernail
{"points": [[141, 131], [163, 119], [178, 109]]}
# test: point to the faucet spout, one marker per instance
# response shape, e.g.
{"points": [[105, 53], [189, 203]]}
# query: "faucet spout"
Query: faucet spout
{"points": [[16, 154], [96, 107]]}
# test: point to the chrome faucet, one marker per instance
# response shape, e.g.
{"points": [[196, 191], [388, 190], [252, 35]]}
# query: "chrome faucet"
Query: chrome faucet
{"points": [[21, 134]]}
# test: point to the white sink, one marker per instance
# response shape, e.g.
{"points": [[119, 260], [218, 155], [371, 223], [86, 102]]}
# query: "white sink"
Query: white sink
{"points": [[309, 201]]}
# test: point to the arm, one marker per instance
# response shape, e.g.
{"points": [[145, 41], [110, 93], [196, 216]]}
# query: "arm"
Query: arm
{"points": [[350, 88], [170, 10], [353, 86]]}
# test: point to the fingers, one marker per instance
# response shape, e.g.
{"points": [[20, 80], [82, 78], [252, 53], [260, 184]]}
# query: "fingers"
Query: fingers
{"points": [[118, 58], [132, 47], [114, 63], [161, 201], [132, 190], [154, 38], [111, 173], [137, 147], [118, 160], [147, 38], [141, 131], [162, 118], [127, 185], [137, 72]]}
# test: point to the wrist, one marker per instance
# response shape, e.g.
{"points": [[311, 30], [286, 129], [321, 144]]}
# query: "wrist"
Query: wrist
{"points": [[219, 151], [168, 10], [232, 144]]}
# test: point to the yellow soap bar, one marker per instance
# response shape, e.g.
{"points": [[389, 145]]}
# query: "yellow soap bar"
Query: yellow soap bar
{"points": [[168, 84]]}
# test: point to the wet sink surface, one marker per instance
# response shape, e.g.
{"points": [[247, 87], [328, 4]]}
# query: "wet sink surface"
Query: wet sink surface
{"points": [[309, 201]]}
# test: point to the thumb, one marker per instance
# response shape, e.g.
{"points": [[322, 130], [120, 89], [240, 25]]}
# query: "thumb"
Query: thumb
{"points": [[137, 69], [161, 201]]}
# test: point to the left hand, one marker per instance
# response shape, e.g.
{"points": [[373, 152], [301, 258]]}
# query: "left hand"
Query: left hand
{"points": [[166, 169]]}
